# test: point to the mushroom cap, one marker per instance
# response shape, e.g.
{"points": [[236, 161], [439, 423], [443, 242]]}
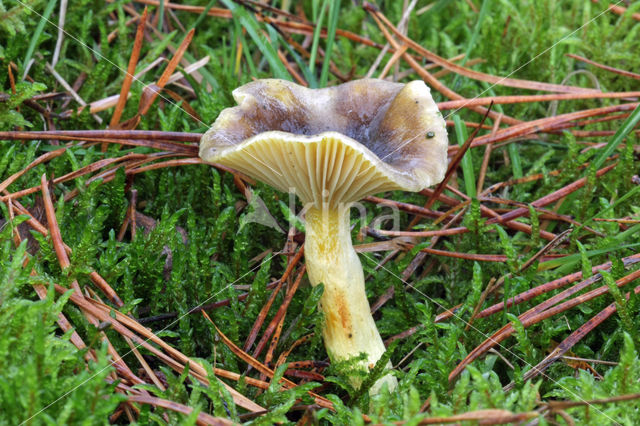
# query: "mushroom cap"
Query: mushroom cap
{"points": [[333, 145]]}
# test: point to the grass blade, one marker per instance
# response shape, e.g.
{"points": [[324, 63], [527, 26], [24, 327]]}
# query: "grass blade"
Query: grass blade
{"points": [[203, 15], [161, 15], [334, 13], [467, 162], [249, 23], [36, 35], [484, 9], [316, 37], [617, 139], [304, 68], [567, 263]]}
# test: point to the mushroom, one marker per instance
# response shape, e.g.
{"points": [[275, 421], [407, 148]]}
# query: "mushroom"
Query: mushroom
{"points": [[332, 147]]}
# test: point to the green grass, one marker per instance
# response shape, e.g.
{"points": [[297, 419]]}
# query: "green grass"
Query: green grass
{"points": [[160, 271]]}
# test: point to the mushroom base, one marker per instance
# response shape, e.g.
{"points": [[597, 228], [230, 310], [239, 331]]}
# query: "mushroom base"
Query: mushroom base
{"points": [[349, 328]]}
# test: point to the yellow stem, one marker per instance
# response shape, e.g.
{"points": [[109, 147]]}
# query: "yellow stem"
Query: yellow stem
{"points": [[349, 327]]}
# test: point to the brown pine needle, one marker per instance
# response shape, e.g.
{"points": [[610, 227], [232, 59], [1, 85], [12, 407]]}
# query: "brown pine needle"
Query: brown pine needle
{"points": [[626, 221], [620, 10], [453, 165], [323, 402], [544, 124], [257, 325], [153, 135], [150, 93], [54, 231], [42, 291], [428, 77], [131, 69], [505, 100], [539, 313], [488, 416], [504, 81], [572, 340], [279, 314], [292, 27], [202, 419], [567, 404], [550, 198], [283, 356], [40, 160]]}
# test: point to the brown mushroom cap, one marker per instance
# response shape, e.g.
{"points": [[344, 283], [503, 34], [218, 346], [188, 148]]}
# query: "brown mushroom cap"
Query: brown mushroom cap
{"points": [[333, 145]]}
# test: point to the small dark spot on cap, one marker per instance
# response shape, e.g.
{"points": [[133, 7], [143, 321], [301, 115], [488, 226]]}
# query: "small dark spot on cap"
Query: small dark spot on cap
{"points": [[417, 102], [350, 335], [430, 135]]}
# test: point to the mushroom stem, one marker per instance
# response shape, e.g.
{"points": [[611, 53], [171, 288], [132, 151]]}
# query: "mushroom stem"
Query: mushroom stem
{"points": [[349, 328]]}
